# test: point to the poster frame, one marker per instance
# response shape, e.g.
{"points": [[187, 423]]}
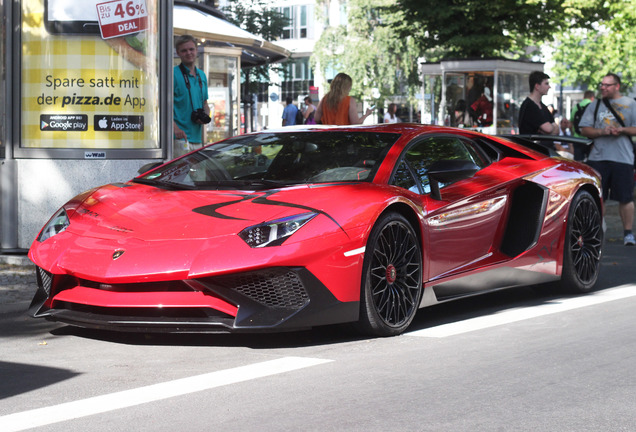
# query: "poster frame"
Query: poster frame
{"points": [[164, 150]]}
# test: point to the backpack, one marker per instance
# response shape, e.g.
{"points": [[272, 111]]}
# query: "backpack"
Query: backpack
{"points": [[299, 117], [578, 115]]}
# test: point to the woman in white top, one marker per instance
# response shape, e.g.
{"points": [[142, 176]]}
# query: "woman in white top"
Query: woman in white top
{"points": [[389, 116]]}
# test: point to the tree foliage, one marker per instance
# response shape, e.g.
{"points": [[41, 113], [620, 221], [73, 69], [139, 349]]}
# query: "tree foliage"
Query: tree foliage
{"points": [[366, 48], [257, 18], [382, 41], [589, 37], [584, 56], [503, 28]]}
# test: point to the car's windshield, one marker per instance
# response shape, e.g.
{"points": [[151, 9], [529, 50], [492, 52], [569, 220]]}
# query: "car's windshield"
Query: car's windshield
{"points": [[270, 160]]}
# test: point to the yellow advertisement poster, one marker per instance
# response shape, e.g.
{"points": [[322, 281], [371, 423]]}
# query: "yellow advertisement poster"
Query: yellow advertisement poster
{"points": [[80, 90]]}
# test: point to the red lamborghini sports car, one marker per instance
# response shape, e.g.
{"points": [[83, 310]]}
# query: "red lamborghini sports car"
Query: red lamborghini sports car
{"points": [[302, 227]]}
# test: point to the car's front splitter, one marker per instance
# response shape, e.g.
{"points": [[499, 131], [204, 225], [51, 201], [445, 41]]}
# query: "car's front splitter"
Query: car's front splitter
{"points": [[273, 299]]}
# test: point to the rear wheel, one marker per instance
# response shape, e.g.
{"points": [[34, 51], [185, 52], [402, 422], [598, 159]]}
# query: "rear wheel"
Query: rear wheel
{"points": [[582, 248], [391, 278]]}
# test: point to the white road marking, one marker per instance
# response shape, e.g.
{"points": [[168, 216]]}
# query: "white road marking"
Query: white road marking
{"points": [[519, 314], [109, 402]]}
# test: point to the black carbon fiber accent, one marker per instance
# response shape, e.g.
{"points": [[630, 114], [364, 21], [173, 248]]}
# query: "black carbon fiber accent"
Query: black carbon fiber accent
{"points": [[45, 280], [274, 288]]}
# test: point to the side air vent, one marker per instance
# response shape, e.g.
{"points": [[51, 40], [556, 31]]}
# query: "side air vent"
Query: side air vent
{"points": [[527, 210]]}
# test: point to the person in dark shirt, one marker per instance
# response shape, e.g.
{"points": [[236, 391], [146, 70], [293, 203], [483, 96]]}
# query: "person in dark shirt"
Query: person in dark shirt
{"points": [[534, 116]]}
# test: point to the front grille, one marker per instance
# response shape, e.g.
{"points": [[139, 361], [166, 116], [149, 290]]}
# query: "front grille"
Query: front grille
{"points": [[275, 288]]}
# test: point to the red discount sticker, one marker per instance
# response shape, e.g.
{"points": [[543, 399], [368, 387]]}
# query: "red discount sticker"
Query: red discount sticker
{"points": [[122, 17]]}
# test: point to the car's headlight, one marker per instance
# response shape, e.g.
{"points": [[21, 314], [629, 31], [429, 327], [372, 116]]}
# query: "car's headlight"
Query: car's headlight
{"points": [[58, 223], [274, 233]]}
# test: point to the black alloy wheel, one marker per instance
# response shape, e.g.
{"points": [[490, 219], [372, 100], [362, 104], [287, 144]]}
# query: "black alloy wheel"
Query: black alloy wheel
{"points": [[583, 244], [391, 278]]}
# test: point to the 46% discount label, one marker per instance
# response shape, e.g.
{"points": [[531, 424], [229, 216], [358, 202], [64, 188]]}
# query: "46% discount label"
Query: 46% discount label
{"points": [[122, 17]]}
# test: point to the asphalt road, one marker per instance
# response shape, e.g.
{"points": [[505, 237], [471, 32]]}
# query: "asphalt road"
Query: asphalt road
{"points": [[510, 361]]}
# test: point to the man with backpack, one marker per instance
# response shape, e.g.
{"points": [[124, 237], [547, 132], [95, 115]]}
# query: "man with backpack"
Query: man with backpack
{"points": [[611, 122], [580, 150]]}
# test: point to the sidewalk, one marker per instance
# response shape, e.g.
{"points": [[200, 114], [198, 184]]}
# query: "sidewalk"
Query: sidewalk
{"points": [[614, 230], [17, 280]]}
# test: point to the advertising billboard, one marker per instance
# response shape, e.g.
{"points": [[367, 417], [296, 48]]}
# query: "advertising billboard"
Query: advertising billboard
{"points": [[90, 74]]}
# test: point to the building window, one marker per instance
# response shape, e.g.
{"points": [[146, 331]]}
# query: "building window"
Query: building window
{"points": [[297, 69], [299, 19], [302, 25], [288, 30], [297, 78]]}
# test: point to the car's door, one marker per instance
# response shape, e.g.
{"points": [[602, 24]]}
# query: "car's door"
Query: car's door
{"points": [[462, 226]]}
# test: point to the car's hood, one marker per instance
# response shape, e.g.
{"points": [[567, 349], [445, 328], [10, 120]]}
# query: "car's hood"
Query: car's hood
{"points": [[149, 214], [122, 232]]}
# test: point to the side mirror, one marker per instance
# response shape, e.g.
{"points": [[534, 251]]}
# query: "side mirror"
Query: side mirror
{"points": [[449, 171], [149, 166]]}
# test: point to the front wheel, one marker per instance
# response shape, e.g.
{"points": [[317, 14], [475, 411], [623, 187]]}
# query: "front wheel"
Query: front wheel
{"points": [[391, 277], [583, 241]]}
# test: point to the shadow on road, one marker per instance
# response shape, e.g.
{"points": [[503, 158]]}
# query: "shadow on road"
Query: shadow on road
{"points": [[21, 378]]}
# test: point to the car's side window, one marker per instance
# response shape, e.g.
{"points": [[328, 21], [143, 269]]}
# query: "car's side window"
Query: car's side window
{"points": [[404, 179], [423, 154]]}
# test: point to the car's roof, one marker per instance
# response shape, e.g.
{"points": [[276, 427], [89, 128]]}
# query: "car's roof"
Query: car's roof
{"points": [[381, 127], [406, 130]]}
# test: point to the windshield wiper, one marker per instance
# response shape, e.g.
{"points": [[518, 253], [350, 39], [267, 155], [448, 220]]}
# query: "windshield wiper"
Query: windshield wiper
{"points": [[164, 184], [256, 183]]}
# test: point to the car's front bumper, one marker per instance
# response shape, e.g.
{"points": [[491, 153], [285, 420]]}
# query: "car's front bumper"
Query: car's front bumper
{"points": [[271, 299]]}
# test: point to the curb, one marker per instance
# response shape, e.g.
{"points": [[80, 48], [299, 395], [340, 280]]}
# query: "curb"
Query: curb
{"points": [[15, 259]]}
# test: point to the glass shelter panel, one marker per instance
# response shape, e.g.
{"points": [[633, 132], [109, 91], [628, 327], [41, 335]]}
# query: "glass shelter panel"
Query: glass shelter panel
{"points": [[469, 99], [223, 90], [512, 89]]}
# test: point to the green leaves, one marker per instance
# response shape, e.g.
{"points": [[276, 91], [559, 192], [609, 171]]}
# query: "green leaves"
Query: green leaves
{"points": [[369, 49], [585, 55]]}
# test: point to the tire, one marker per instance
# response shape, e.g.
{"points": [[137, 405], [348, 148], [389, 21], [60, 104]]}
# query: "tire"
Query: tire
{"points": [[582, 246], [391, 286]]}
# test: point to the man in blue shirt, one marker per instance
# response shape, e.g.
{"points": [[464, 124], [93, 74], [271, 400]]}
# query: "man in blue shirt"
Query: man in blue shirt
{"points": [[190, 94], [289, 113]]}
